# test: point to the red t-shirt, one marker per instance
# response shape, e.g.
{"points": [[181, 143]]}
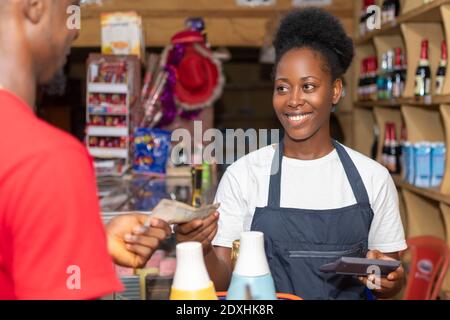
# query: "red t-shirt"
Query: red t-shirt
{"points": [[52, 241]]}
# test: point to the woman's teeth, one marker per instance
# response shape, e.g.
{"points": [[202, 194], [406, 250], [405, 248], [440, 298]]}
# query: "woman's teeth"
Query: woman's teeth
{"points": [[298, 117]]}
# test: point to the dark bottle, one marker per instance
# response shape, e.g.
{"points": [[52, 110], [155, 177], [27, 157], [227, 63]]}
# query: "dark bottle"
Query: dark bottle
{"points": [[197, 172], [398, 78], [381, 81], [389, 75], [442, 70], [372, 78], [394, 155], [423, 73], [390, 10]]}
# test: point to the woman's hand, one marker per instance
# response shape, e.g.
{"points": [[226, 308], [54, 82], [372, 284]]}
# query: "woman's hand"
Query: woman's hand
{"points": [[385, 288], [202, 231], [130, 243]]}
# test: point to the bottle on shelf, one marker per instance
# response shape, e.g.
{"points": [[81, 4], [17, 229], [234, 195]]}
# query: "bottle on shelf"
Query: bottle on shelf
{"points": [[393, 161], [197, 179], [381, 81], [423, 73], [390, 74], [390, 10], [398, 77], [373, 76], [442, 70]]}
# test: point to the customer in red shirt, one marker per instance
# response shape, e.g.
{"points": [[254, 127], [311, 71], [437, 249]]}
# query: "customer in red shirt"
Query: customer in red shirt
{"points": [[52, 242]]}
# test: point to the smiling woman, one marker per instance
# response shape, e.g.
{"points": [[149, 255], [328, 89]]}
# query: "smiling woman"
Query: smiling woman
{"points": [[309, 194]]}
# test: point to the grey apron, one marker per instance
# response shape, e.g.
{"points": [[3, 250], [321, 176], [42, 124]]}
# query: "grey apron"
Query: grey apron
{"points": [[299, 241]]}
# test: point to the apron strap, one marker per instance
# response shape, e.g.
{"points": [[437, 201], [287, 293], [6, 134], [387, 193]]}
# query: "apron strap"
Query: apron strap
{"points": [[353, 176], [275, 177], [359, 190]]}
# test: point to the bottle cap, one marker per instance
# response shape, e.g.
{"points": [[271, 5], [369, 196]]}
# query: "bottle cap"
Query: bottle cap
{"points": [[252, 260], [191, 273]]}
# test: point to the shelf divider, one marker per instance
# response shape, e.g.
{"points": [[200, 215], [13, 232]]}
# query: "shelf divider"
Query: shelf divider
{"points": [[424, 216]]}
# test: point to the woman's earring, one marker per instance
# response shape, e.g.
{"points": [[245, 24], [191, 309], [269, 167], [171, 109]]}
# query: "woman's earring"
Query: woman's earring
{"points": [[334, 108]]}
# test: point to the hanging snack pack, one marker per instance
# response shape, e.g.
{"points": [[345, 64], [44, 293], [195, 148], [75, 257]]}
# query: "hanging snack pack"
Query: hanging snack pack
{"points": [[152, 149]]}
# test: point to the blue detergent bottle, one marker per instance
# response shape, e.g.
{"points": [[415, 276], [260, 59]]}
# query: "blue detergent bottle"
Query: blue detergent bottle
{"points": [[251, 278]]}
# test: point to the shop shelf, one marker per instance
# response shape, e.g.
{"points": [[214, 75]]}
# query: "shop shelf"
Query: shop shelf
{"points": [[427, 102], [445, 209], [108, 88], [431, 194], [445, 112], [109, 153], [413, 11], [108, 110], [99, 131], [424, 216]]}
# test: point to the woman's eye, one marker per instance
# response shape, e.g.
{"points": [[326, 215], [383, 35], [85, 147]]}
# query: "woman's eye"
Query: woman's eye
{"points": [[309, 87], [282, 89]]}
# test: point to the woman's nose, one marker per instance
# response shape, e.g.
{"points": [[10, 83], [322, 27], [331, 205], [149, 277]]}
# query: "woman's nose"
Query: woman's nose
{"points": [[296, 99]]}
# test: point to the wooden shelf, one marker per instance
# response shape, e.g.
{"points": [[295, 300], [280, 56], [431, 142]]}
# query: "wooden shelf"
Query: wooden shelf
{"points": [[429, 12], [396, 103], [432, 194]]}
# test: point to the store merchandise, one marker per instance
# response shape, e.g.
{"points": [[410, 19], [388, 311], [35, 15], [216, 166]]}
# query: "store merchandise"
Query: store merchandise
{"points": [[158, 287], [399, 74], [423, 73], [191, 280], [382, 78], [197, 181], [151, 150], [422, 165], [390, 10], [132, 288], [107, 121], [391, 150], [442, 69], [112, 84], [367, 88], [122, 33], [251, 275], [438, 153], [409, 167]]}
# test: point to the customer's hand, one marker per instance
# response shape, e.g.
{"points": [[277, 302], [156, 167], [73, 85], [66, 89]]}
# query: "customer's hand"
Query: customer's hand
{"points": [[199, 230], [130, 243], [385, 288]]}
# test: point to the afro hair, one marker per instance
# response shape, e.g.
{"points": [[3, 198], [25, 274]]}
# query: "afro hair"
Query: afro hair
{"points": [[318, 30]]}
